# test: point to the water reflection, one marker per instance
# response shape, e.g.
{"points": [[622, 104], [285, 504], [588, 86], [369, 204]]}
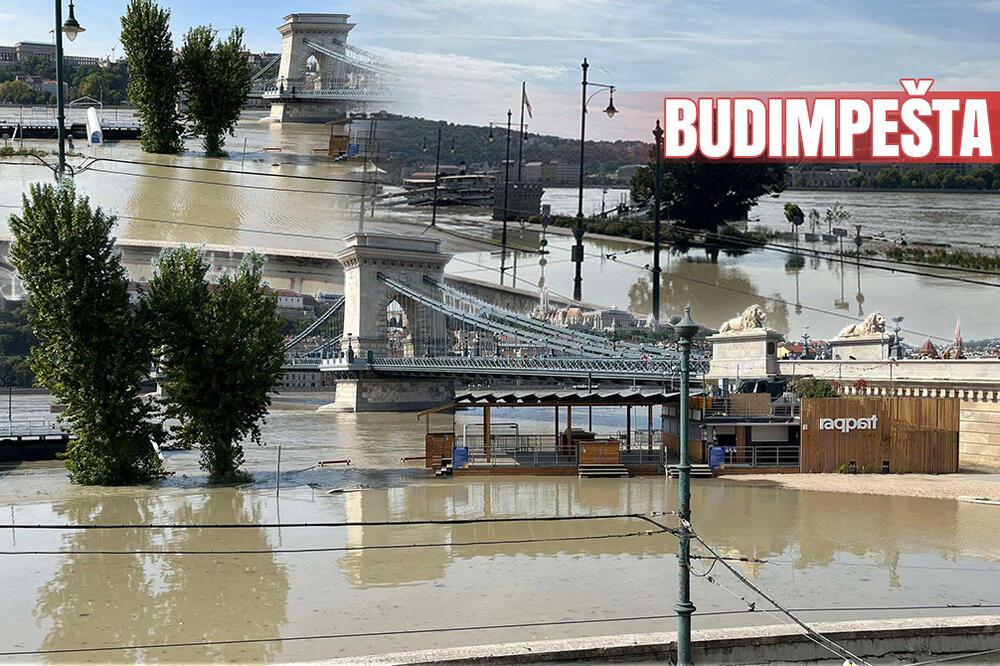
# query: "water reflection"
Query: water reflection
{"points": [[140, 599], [720, 291]]}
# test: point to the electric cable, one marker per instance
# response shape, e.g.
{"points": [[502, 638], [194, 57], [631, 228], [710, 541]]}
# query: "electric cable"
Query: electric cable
{"points": [[815, 635], [347, 523], [399, 632], [859, 262], [237, 185], [327, 179], [337, 549]]}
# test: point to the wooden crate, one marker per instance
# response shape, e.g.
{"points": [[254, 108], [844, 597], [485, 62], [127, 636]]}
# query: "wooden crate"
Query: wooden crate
{"points": [[598, 452]]}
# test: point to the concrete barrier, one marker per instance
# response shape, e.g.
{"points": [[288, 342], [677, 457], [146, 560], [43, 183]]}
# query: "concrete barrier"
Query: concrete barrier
{"points": [[924, 637]]}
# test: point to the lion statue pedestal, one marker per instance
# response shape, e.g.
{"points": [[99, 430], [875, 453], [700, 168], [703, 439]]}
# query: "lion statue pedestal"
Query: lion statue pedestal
{"points": [[744, 347], [864, 341]]}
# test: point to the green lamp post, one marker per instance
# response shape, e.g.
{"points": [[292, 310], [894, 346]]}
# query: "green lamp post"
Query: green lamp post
{"points": [[686, 329]]}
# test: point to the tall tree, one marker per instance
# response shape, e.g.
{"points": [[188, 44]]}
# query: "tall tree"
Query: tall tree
{"points": [[222, 353], [215, 79], [705, 195], [94, 349], [153, 80]]}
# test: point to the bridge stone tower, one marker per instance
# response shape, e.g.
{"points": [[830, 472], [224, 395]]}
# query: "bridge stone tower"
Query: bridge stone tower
{"points": [[300, 35], [407, 261]]}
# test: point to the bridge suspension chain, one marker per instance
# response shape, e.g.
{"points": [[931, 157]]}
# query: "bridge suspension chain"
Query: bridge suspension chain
{"points": [[575, 348], [584, 339]]}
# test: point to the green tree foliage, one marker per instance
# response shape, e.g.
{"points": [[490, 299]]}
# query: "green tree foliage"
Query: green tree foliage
{"points": [[19, 92], [94, 348], [810, 387], [794, 214], [705, 195], [16, 341], [215, 78], [221, 352], [153, 81]]}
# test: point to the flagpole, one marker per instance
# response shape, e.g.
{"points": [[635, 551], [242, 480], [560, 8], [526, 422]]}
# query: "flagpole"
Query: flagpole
{"points": [[520, 136]]}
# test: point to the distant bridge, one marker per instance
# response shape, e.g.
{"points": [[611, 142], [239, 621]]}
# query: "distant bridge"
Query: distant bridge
{"points": [[320, 76], [439, 335]]}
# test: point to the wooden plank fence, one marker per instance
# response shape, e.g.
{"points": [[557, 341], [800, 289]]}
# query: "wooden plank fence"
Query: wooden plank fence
{"points": [[912, 435]]}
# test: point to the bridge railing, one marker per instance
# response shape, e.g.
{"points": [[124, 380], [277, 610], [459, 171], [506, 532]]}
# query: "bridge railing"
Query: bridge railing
{"points": [[31, 428]]}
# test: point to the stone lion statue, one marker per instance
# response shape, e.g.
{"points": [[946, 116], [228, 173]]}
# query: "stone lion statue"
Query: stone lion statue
{"points": [[752, 318], [872, 326]]}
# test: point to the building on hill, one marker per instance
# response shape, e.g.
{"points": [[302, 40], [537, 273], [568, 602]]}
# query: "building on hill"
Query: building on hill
{"points": [[47, 50]]}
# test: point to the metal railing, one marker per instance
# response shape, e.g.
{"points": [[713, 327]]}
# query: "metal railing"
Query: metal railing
{"points": [[598, 368], [742, 408], [30, 428], [544, 451], [763, 455]]}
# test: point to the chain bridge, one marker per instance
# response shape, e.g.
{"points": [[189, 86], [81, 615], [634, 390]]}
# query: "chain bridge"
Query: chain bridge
{"points": [[400, 338], [320, 76]]}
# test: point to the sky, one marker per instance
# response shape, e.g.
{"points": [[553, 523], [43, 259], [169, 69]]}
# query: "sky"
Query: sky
{"points": [[464, 61]]}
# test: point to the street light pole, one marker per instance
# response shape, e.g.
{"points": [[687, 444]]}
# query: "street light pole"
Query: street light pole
{"points": [[72, 28], [686, 330], [578, 230], [60, 113], [520, 136], [658, 137], [437, 171], [577, 255], [506, 185]]}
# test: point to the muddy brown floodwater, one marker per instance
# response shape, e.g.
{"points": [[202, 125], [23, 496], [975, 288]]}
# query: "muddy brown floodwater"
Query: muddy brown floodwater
{"points": [[845, 556]]}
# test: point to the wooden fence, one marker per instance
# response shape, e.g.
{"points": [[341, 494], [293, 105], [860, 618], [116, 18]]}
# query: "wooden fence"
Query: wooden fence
{"points": [[912, 435]]}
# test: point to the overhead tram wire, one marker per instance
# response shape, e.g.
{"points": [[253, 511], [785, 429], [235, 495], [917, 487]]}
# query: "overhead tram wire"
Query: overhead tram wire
{"points": [[342, 549], [786, 249], [832, 313], [237, 185], [328, 179], [337, 524]]}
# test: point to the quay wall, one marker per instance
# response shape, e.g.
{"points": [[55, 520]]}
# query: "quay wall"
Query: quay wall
{"points": [[909, 638]]}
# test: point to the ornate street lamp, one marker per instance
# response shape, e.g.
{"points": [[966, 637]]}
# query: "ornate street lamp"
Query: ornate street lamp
{"points": [[686, 330], [72, 28], [658, 137], [437, 170], [578, 231]]}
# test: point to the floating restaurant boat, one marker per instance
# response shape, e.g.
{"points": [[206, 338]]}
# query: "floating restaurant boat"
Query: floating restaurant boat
{"points": [[458, 190]]}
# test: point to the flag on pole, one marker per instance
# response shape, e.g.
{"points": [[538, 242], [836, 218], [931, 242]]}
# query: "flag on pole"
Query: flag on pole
{"points": [[524, 100]]}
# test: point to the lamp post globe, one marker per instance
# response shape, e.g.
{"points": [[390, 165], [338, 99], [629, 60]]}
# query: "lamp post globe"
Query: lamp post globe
{"points": [[686, 328], [611, 110], [71, 28]]}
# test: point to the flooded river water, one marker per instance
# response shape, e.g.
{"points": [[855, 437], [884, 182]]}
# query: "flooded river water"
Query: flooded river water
{"points": [[835, 556]]}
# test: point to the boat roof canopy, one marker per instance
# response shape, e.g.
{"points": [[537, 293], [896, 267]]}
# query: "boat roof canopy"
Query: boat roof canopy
{"points": [[623, 397]]}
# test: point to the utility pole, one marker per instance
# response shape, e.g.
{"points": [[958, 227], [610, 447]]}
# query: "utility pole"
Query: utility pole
{"points": [[686, 330], [658, 148], [437, 171], [506, 187], [520, 136], [577, 254]]}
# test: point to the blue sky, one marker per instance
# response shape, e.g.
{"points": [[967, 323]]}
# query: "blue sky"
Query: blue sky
{"points": [[464, 60]]}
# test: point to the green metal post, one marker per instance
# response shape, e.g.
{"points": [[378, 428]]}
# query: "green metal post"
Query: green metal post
{"points": [[60, 112], [686, 330]]}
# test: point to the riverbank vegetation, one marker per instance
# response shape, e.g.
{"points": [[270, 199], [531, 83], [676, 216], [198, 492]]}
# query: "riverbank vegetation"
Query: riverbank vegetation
{"points": [[705, 195], [219, 346], [944, 257], [105, 82], [942, 179]]}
